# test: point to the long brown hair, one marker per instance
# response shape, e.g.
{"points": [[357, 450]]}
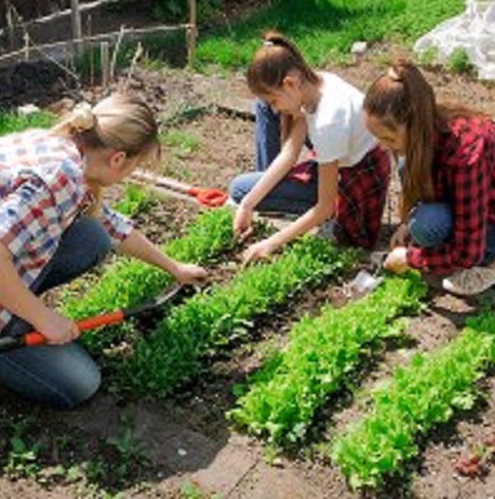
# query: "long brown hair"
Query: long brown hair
{"points": [[403, 97]]}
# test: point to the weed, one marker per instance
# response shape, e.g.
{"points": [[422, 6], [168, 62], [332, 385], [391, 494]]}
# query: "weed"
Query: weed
{"points": [[459, 62], [22, 458], [182, 143], [191, 490], [121, 457], [428, 57], [135, 200]]}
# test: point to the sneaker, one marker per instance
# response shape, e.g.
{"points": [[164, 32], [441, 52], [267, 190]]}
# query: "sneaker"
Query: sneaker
{"points": [[470, 281], [230, 202]]}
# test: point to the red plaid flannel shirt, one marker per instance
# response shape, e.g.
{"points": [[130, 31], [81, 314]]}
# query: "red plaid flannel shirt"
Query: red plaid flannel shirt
{"points": [[464, 177], [42, 191]]}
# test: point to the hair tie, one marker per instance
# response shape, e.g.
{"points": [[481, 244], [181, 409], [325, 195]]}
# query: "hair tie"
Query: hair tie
{"points": [[393, 75], [82, 117]]}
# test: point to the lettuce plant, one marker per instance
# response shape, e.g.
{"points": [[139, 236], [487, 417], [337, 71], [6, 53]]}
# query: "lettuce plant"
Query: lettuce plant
{"points": [[129, 282], [283, 397], [425, 393], [210, 320]]}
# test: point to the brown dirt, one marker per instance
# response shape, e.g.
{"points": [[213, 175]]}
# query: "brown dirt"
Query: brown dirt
{"points": [[187, 437]]}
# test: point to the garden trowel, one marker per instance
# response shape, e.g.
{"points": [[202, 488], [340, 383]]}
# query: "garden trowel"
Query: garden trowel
{"points": [[365, 280]]}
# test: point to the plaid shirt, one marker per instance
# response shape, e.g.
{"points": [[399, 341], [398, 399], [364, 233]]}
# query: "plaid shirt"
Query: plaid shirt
{"points": [[42, 191], [464, 177]]}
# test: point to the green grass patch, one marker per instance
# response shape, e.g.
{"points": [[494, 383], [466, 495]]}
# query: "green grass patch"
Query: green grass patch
{"points": [[324, 30], [11, 122], [135, 199], [181, 143]]}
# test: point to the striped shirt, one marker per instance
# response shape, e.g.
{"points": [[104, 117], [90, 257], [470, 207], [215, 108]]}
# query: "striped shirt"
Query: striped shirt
{"points": [[464, 177], [42, 191]]}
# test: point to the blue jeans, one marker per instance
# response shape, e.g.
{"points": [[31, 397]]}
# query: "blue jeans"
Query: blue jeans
{"points": [[62, 376], [267, 135], [290, 195], [431, 224]]}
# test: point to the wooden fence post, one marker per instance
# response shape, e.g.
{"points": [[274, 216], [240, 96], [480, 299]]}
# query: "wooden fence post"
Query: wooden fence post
{"points": [[76, 26], [105, 65], [9, 18], [192, 33]]}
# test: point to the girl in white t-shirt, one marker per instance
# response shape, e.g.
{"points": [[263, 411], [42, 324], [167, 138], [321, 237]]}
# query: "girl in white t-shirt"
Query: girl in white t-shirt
{"points": [[348, 181]]}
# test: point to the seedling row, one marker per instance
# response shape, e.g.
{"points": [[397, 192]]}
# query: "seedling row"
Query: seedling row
{"points": [[280, 401], [322, 352]]}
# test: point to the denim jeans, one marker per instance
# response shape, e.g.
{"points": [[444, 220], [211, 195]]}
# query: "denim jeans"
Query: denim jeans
{"points": [[58, 375], [267, 134], [290, 195], [431, 224]]}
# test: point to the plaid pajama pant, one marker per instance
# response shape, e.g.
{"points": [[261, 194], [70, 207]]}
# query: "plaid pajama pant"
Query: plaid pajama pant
{"points": [[361, 200]]}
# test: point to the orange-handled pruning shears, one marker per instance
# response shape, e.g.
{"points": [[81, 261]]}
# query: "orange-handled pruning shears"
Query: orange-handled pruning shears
{"points": [[110, 318]]}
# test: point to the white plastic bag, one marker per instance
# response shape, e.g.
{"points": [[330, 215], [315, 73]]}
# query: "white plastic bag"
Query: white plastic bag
{"points": [[473, 31]]}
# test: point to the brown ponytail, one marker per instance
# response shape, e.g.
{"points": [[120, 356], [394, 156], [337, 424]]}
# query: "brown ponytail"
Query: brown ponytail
{"points": [[274, 61], [402, 96]]}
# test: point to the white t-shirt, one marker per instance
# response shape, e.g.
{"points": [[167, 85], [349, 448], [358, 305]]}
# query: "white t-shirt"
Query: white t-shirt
{"points": [[337, 128]]}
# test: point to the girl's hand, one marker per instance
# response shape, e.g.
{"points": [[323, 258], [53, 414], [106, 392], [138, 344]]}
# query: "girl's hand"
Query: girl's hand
{"points": [[189, 273], [396, 260], [258, 251], [56, 328], [243, 222], [400, 236]]}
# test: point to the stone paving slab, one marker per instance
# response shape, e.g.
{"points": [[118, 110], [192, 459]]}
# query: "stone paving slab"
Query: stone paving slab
{"points": [[267, 482], [229, 467]]}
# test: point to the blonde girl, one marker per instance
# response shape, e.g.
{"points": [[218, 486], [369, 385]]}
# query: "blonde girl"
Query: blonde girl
{"points": [[54, 227]]}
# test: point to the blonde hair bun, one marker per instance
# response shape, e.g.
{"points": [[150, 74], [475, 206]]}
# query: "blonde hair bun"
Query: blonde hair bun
{"points": [[82, 117]]}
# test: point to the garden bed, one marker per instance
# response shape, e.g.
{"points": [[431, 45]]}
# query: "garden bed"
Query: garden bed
{"points": [[184, 445]]}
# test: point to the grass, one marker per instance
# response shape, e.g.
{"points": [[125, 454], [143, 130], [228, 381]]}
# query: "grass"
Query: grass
{"points": [[325, 29], [181, 143], [13, 122]]}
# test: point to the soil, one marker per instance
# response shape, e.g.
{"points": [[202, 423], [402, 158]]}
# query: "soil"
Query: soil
{"points": [[184, 446]]}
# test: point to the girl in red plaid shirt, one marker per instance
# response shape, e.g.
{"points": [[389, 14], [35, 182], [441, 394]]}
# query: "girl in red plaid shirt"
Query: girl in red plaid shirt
{"points": [[53, 228], [348, 180], [448, 180]]}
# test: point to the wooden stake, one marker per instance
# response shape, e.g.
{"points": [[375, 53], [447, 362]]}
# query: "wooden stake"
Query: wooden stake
{"points": [[192, 33], [76, 26], [105, 64], [10, 25]]}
